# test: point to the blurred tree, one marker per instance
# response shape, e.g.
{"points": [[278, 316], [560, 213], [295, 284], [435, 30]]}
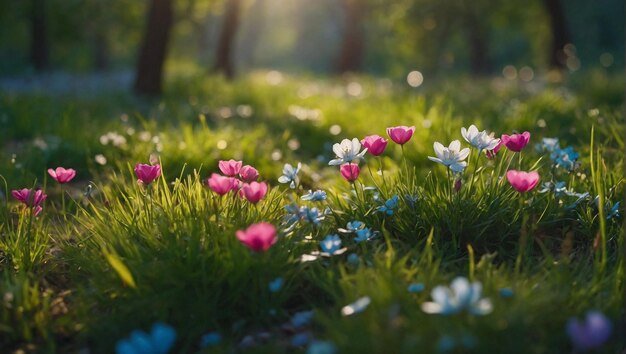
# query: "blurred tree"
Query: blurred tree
{"points": [[149, 74], [224, 54], [255, 27], [560, 33], [353, 45], [475, 26], [39, 46]]}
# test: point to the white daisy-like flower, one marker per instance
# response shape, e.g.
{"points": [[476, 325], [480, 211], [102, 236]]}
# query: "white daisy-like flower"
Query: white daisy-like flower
{"points": [[480, 140], [451, 156], [461, 295], [347, 151]]}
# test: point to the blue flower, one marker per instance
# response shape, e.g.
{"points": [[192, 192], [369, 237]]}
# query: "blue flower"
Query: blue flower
{"points": [[415, 288], [331, 244], [160, 340], [559, 188], [445, 344], [302, 318], [389, 205], [614, 212], [317, 196], [363, 235], [460, 296], [591, 333], [506, 292], [300, 339], [548, 144], [565, 158], [356, 307], [210, 339], [321, 347], [353, 259], [276, 284], [290, 175]]}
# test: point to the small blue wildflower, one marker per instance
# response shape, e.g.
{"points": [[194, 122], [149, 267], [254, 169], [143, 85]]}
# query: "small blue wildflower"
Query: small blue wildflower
{"points": [[352, 226], [581, 197], [312, 215], [317, 196], [353, 259], [356, 307], [559, 188], [302, 318], [300, 339], [565, 158], [210, 339], [416, 288], [321, 347], [363, 235], [331, 244], [506, 292], [276, 284], [445, 344], [159, 341], [614, 212], [389, 205], [548, 144], [290, 175]]}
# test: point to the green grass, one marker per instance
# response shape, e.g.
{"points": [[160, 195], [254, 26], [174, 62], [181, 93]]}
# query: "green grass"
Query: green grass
{"points": [[120, 256]]}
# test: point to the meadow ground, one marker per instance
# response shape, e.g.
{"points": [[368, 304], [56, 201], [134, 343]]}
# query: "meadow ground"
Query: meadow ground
{"points": [[107, 257]]}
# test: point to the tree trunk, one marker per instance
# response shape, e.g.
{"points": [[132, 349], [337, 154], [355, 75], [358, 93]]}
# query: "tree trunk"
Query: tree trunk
{"points": [[149, 77], [560, 33], [478, 47], [352, 48], [39, 47], [224, 55]]}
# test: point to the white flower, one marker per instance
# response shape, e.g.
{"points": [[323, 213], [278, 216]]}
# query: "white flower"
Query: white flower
{"points": [[290, 174], [461, 295], [481, 140], [451, 156], [347, 151]]}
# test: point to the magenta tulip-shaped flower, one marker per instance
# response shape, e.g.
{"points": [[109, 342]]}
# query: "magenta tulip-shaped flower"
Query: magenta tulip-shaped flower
{"points": [[147, 173], [400, 134], [61, 174], [230, 168], [258, 237], [375, 144], [29, 197], [350, 171], [522, 181], [591, 333], [254, 191], [248, 173], [493, 152], [515, 142], [222, 184]]}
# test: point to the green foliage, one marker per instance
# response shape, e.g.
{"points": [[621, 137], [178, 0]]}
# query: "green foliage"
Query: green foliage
{"points": [[108, 255]]}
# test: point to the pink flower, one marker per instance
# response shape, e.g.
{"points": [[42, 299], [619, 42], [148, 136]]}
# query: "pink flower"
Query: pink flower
{"points": [[248, 173], [147, 173], [258, 237], [522, 181], [230, 168], [62, 175], [29, 198], [254, 191], [493, 152], [401, 134], [350, 171], [516, 142], [221, 184], [375, 144]]}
